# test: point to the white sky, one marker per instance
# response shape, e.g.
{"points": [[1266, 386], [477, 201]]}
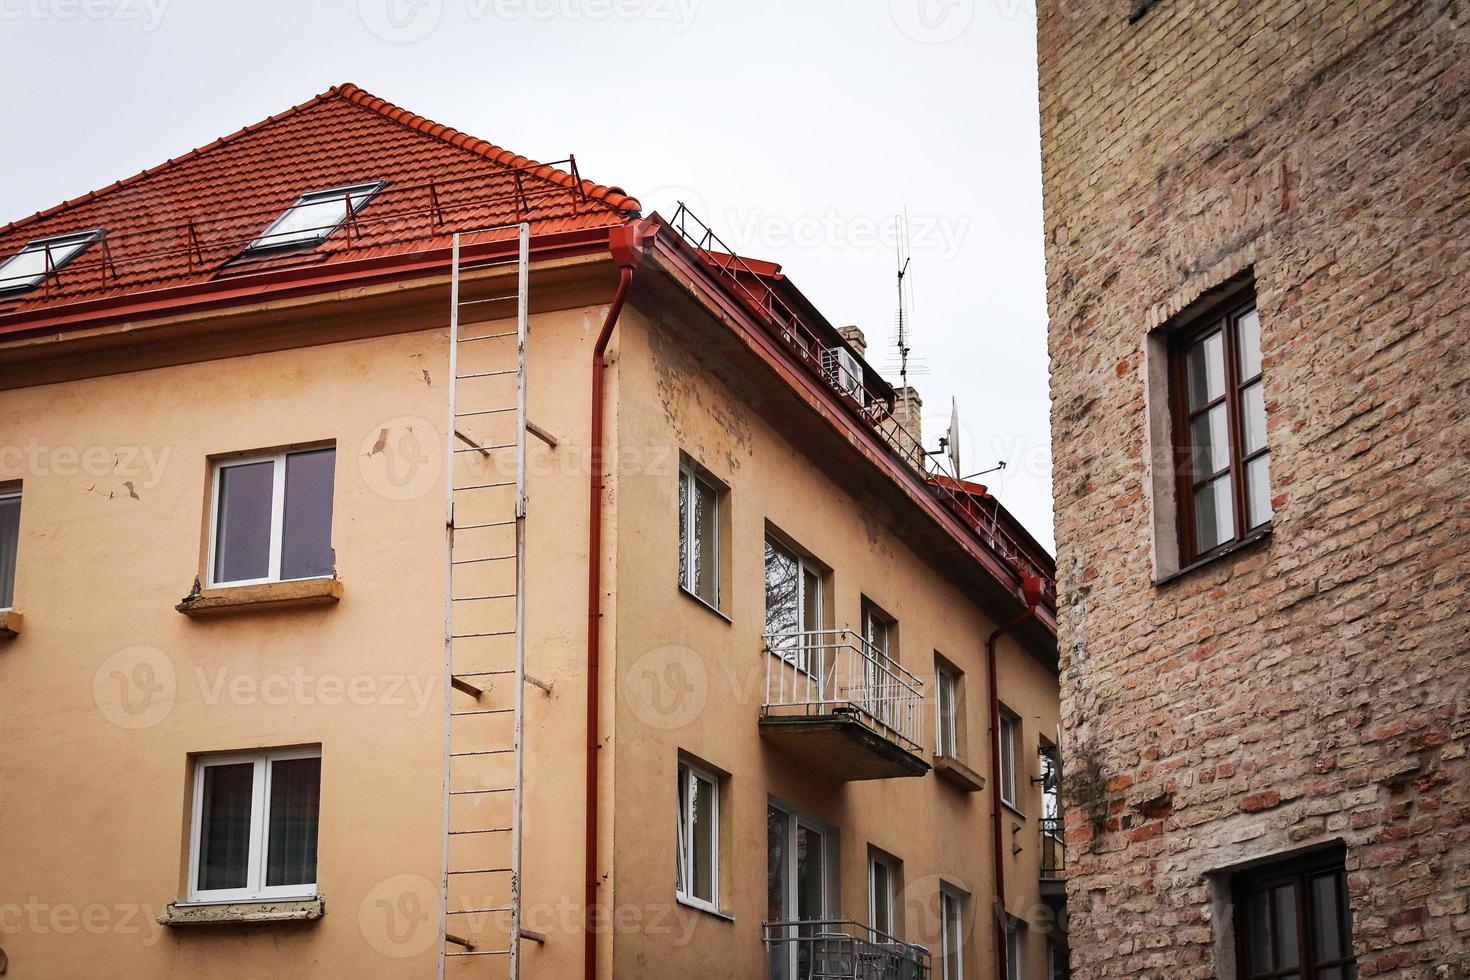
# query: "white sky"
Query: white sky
{"points": [[798, 129]]}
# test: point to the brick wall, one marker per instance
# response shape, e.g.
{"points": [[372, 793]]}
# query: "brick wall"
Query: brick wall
{"points": [[1316, 686]]}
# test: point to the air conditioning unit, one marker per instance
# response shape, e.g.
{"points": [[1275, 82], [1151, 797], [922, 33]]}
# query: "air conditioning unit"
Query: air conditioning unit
{"points": [[843, 371]]}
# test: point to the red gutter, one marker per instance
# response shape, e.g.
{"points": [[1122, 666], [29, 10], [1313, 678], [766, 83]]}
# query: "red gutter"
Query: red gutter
{"points": [[627, 246], [1032, 592], [281, 283]]}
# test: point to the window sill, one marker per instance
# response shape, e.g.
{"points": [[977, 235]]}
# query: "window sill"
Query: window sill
{"points": [[272, 595], [720, 914], [10, 623], [1015, 812], [1250, 540], [242, 913], [714, 609], [953, 771]]}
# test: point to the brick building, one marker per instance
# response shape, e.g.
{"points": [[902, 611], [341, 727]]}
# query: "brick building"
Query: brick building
{"points": [[1256, 216]]}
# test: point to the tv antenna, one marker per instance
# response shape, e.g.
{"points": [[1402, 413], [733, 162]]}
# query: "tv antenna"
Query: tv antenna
{"points": [[903, 257]]}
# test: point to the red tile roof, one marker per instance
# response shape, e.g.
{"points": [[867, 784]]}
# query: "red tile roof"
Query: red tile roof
{"points": [[186, 221]]}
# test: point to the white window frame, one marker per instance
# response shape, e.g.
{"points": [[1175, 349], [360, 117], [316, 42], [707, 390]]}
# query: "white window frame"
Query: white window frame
{"points": [[4, 496], [1009, 737], [278, 514], [808, 654], [890, 868], [952, 945], [69, 246], [946, 730], [356, 196], [685, 841], [686, 533], [255, 889], [1015, 952], [797, 821]]}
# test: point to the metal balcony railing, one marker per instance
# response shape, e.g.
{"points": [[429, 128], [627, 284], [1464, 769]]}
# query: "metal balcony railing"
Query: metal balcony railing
{"points": [[841, 949], [837, 672], [1053, 847]]}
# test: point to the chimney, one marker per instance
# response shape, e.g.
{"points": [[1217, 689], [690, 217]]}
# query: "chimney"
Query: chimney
{"points": [[907, 407], [855, 339]]}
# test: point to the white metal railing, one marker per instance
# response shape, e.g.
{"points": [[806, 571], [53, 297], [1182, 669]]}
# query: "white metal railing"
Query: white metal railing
{"points": [[841, 949], [838, 672]]}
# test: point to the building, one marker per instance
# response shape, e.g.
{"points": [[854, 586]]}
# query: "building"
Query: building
{"points": [[717, 697], [1256, 230]]}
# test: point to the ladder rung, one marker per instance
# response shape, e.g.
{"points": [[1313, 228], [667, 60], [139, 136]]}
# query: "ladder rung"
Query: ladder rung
{"points": [[498, 908], [478, 598], [488, 336], [482, 871], [476, 561], [471, 636], [486, 486], [488, 299], [457, 755], [476, 527], [481, 711], [476, 792], [482, 952], [484, 673], [487, 830], [486, 374], [486, 411]]}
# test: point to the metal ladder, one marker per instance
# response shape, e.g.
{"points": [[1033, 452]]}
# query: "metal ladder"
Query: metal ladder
{"points": [[484, 625]]}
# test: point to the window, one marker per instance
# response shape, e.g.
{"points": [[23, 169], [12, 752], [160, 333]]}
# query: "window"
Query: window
{"points": [[1220, 430], [878, 631], [882, 885], [793, 605], [38, 259], [699, 837], [315, 216], [699, 537], [946, 710], [1292, 921], [951, 939], [272, 518], [1053, 829], [254, 826], [1015, 940], [801, 860], [1010, 730], [9, 544]]}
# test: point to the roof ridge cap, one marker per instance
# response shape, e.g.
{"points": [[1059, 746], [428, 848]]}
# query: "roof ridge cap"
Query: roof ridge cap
{"points": [[614, 198], [197, 151]]}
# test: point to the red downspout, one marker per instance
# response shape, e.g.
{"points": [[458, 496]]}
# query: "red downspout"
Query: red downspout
{"points": [[627, 245], [1031, 591]]}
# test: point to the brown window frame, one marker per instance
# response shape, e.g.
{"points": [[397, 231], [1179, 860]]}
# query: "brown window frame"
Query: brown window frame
{"points": [[1299, 873], [1222, 315]]}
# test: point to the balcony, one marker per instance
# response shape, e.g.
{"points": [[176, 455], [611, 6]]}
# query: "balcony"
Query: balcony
{"points": [[842, 706], [841, 949], [1053, 856]]}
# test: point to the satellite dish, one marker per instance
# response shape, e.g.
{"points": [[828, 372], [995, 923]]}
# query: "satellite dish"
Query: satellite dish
{"points": [[952, 439]]}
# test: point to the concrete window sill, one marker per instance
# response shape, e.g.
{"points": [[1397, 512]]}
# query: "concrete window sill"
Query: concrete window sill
{"points": [[10, 622], [721, 914], [954, 771], [243, 913], [272, 595]]}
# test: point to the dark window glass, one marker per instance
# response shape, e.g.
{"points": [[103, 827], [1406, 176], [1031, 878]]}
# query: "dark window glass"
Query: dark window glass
{"points": [[1220, 424], [242, 549], [1292, 922], [295, 798], [224, 830], [306, 531], [9, 545]]}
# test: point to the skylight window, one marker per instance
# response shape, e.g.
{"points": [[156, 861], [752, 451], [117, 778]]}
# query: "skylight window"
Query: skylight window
{"points": [[315, 216], [41, 258]]}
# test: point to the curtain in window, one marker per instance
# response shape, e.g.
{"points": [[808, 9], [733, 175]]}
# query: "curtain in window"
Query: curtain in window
{"points": [[295, 799], [242, 549], [224, 832], [9, 544]]}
